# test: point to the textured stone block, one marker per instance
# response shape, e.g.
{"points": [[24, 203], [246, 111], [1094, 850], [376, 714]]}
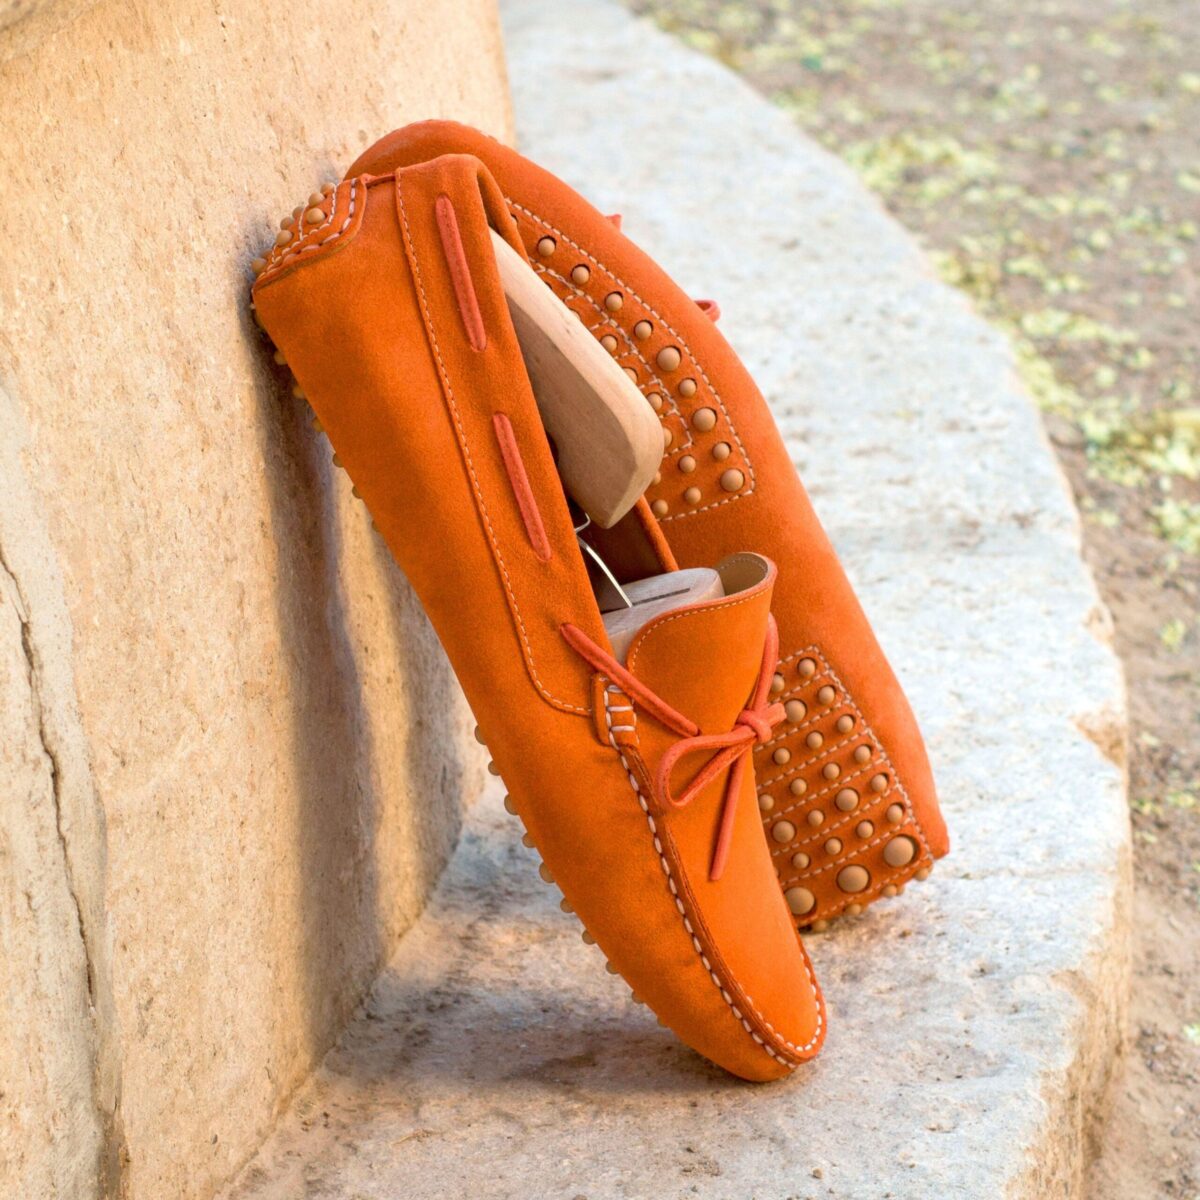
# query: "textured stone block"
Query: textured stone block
{"points": [[203, 644]]}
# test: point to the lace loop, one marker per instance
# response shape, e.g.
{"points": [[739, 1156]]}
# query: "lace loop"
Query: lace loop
{"points": [[762, 723], [754, 726]]}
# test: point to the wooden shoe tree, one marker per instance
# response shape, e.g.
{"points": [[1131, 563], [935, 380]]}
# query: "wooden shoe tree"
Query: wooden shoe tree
{"points": [[607, 439], [652, 597]]}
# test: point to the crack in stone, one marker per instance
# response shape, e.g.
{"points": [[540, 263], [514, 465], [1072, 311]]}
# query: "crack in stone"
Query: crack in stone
{"points": [[113, 1152]]}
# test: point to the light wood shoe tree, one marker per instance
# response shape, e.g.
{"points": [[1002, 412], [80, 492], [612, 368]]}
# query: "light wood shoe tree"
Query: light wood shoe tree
{"points": [[608, 440], [650, 598]]}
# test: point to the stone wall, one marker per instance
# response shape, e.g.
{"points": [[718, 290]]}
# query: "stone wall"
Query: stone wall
{"points": [[232, 756]]}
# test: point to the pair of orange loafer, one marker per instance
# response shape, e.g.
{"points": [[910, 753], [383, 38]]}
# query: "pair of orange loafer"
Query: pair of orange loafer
{"points": [[748, 763]]}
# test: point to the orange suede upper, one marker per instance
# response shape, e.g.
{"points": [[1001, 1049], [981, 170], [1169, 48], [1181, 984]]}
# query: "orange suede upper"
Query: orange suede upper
{"points": [[846, 782], [409, 359]]}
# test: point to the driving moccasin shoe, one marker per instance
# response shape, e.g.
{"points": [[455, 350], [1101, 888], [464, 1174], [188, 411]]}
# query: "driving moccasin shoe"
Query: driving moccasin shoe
{"points": [[844, 785], [626, 749]]}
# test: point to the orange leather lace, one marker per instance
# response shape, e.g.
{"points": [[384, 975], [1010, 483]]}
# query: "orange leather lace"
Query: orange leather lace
{"points": [[730, 749]]}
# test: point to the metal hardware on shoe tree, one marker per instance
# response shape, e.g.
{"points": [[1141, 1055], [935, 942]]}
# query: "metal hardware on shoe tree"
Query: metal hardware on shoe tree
{"points": [[609, 578], [637, 603]]}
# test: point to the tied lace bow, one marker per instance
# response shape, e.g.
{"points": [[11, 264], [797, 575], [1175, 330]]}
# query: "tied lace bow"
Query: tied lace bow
{"points": [[754, 726]]}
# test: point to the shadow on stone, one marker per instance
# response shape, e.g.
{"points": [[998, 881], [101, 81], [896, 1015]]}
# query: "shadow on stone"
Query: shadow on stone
{"points": [[336, 809], [506, 997], [433, 703]]}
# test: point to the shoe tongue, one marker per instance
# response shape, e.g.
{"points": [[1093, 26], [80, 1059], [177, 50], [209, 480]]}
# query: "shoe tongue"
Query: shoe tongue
{"points": [[704, 659]]}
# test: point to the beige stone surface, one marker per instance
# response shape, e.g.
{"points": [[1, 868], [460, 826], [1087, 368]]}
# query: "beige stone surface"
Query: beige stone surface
{"points": [[57, 1083], [232, 757]]}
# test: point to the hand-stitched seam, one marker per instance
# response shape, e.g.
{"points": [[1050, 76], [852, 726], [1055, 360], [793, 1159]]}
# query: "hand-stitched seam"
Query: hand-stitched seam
{"points": [[827, 749], [880, 881], [607, 324], [801, 726], [514, 466], [659, 622], [830, 789], [878, 804], [746, 556], [790, 694], [745, 491], [698, 947], [475, 484], [612, 689], [799, 690], [308, 240], [825, 668]]}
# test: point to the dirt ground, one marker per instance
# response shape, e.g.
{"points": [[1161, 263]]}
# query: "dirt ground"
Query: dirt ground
{"points": [[1047, 152]]}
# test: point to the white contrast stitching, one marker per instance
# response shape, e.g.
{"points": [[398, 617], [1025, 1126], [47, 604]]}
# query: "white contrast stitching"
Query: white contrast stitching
{"points": [[659, 622], [843, 781], [687, 925], [827, 748], [471, 466], [746, 491], [655, 382], [855, 815], [799, 726], [303, 244], [611, 689], [825, 670]]}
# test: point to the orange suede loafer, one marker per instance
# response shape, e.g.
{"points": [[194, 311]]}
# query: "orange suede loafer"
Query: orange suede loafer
{"points": [[844, 785], [628, 760]]}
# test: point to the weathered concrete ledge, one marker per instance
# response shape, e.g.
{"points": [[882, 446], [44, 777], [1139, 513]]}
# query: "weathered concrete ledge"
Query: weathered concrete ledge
{"points": [[974, 1019]]}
